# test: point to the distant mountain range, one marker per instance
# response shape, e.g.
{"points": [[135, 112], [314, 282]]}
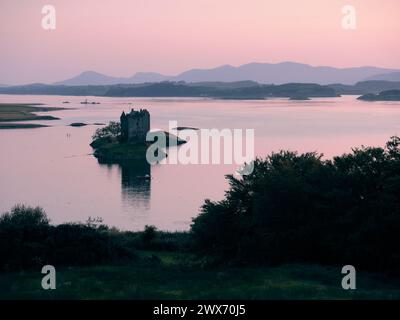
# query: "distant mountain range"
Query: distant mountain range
{"points": [[249, 81], [265, 73]]}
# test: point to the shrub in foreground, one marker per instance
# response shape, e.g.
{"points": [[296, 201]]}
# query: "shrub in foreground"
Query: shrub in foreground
{"points": [[301, 208], [27, 240]]}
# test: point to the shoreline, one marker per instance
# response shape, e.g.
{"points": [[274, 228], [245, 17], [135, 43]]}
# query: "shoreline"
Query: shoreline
{"points": [[12, 113]]}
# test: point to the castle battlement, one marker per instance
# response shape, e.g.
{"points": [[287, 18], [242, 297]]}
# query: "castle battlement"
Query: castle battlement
{"points": [[135, 125]]}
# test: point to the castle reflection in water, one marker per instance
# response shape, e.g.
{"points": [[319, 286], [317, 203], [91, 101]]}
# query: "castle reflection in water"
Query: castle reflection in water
{"points": [[135, 182]]}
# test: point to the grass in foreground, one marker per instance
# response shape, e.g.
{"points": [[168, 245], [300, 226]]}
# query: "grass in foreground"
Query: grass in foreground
{"points": [[162, 275], [23, 112]]}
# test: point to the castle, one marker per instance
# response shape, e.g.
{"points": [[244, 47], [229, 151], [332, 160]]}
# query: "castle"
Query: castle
{"points": [[135, 125]]}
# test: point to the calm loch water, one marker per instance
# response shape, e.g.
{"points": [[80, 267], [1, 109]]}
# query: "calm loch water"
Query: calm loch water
{"points": [[53, 167]]}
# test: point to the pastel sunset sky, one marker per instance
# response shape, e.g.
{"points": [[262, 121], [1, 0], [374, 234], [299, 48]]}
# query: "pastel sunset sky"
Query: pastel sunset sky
{"points": [[121, 37]]}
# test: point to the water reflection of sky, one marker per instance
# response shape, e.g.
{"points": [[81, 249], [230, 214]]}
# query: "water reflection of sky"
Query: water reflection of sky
{"points": [[53, 167]]}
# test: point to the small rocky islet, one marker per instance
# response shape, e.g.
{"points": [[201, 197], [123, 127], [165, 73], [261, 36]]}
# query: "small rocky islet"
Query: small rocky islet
{"points": [[388, 95], [126, 140]]}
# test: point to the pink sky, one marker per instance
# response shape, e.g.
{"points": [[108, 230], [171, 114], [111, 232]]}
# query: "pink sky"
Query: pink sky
{"points": [[121, 37]]}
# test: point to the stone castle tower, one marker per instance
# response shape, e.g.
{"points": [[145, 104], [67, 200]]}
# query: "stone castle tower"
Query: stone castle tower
{"points": [[135, 125]]}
